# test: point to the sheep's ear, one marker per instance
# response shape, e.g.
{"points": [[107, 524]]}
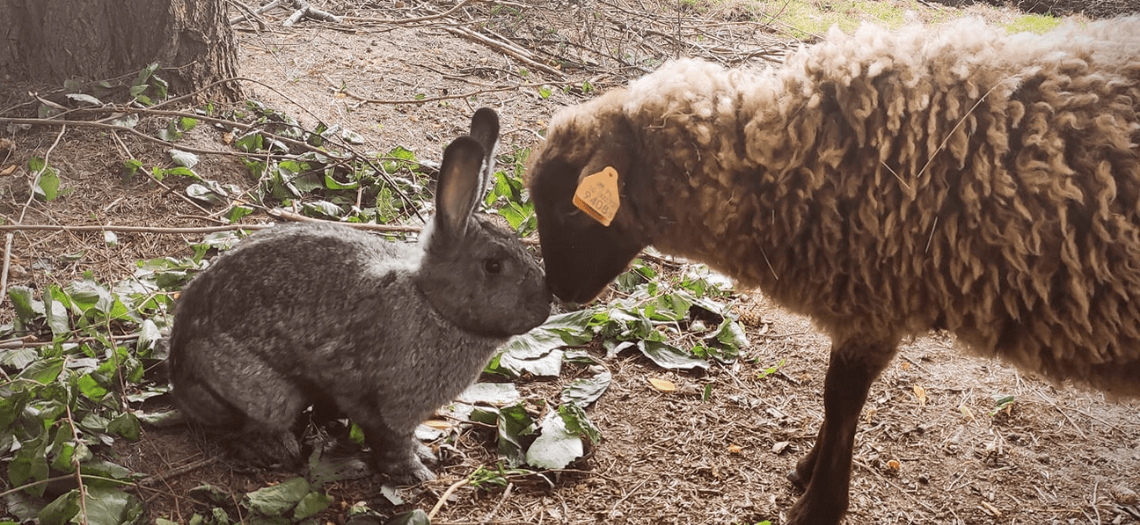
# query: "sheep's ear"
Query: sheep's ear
{"points": [[485, 130], [458, 190]]}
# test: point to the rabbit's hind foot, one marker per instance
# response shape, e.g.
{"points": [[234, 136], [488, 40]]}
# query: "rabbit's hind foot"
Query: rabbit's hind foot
{"points": [[279, 450]]}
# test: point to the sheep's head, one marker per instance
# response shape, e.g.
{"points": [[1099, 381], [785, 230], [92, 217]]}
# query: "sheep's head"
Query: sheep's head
{"points": [[581, 255]]}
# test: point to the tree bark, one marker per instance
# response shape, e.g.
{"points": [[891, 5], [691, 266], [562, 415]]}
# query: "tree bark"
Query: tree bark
{"points": [[57, 40]]}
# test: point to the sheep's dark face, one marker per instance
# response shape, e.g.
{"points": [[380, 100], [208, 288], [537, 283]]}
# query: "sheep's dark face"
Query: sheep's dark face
{"points": [[580, 254]]}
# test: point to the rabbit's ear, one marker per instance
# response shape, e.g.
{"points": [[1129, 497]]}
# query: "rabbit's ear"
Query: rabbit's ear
{"points": [[485, 129], [458, 189]]}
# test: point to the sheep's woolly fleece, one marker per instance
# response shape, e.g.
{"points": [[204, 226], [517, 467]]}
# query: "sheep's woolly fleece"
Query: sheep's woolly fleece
{"points": [[888, 183]]}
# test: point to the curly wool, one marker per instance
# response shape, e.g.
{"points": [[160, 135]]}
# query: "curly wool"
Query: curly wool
{"points": [[889, 183]]}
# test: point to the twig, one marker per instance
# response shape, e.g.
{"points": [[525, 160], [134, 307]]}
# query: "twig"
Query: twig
{"points": [[203, 229], [506, 493], [1096, 484], [505, 48], [1063, 413], [19, 343], [340, 87], [75, 463], [52, 122], [177, 471], [409, 20], [627, 496], [248, 15], [306, 10], [23, 211], [446, 494]]}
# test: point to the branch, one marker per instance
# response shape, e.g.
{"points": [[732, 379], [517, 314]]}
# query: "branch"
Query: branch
{"points": [[409, 20], [23, 211], [344, 90]]}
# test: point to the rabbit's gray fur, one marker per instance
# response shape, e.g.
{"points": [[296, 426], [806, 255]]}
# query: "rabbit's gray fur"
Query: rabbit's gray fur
{"points": [[385, 333]]}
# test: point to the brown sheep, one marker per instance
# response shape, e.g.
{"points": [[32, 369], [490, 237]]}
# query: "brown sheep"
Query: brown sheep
{"points": [[885, 184]]}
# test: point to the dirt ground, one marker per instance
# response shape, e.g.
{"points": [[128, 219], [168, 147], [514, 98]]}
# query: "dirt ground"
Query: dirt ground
{"points": [[1057, 455]]}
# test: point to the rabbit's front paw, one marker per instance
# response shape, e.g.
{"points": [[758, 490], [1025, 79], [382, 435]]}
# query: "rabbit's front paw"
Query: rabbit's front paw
{"points": [[410, 472], [424, 453]]}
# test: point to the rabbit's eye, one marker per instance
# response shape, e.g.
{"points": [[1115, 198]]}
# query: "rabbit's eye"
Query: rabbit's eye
{"points": [[492, 266]]}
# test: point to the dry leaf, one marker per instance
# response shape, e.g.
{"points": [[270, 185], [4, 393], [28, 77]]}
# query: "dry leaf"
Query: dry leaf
{"points": [[991, 509], [780, 447], [438, 424], [8, 171], [894, 465], [870, 414], [921, 393], [966, 412], [662, 385], [905, 365], [735, 449]]}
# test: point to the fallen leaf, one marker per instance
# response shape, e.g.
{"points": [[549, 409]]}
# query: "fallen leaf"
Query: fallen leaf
{"points": [[894, 466], [870, 414], [905, 365], [966, 412], [921, 393], [438, 424], [780, 447], [8, 171], [662, 385], [735, 449]]}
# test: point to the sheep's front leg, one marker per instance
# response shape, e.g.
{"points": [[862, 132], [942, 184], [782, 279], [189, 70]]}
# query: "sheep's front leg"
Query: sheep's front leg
{"points": [[826, 470]]}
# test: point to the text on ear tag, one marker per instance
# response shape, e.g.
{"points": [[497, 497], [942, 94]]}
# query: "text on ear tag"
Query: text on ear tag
{"points": [[597, 195]]}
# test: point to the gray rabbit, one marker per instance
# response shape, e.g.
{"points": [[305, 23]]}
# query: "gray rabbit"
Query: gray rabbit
{"points": [[328, 316]]}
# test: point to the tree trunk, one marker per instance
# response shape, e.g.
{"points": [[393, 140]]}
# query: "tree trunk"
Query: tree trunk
{"points": [[57, 40]]}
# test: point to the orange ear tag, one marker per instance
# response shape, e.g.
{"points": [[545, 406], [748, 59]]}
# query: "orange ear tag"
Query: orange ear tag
{"points": [[597, 195]]}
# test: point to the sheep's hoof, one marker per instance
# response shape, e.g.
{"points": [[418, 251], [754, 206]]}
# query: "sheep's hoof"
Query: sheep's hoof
{"points": [[797, 480]]}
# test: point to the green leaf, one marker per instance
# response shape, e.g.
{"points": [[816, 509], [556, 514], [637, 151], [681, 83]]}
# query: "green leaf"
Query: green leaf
{"points": [[127, 121], [490, 394], [171, 133], [48, 187], [201, 192], [586, 390], [556, 446], [25, 508], [149, 336], [671, 357], [43, 371], [513, 423], [356, 434], [126, 425], [536, 352], [28, 309], [184, 158], [334, 184], [236, 213], [415, 517], [84, 98], [131, 167], [576, 421], [250, 142], [279, 499], [351, 137], [323, 209], [104, 506], [30, 464], [312, 504], [91, 388], [397, 158]]}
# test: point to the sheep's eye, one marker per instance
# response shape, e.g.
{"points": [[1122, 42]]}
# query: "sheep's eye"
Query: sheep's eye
{"points": [[492, 266]]}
